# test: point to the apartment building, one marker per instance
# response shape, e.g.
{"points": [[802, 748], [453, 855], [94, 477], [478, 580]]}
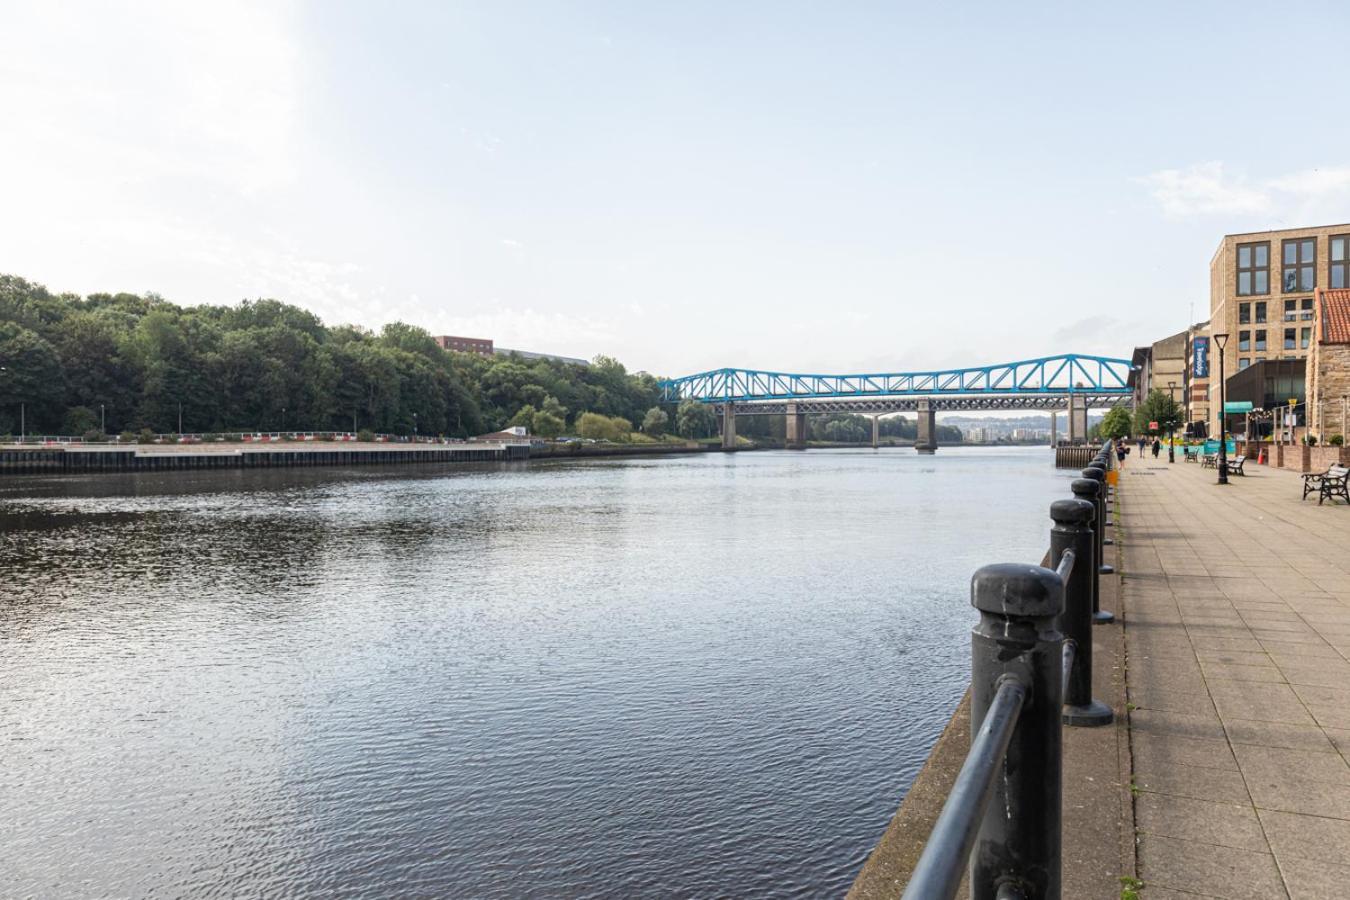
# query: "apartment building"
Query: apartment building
{"points": [[1327, 370], [1261, 287]]}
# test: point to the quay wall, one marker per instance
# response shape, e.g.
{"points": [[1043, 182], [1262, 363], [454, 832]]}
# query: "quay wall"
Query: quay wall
{"points": [[152, 458]]}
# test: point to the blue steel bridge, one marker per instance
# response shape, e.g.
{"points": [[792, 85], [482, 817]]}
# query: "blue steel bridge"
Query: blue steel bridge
{"points": [[1072, 383]]}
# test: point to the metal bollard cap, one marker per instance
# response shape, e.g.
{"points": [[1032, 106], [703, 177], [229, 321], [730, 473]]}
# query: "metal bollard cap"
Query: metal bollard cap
{"points": [[1073, 512], [1017, 590], [1084, 487], [1095, 473]]}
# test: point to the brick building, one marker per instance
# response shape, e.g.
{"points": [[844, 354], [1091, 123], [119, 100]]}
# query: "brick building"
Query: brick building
{"points": [[1328, 364], [1261, 291], [481, 346]]}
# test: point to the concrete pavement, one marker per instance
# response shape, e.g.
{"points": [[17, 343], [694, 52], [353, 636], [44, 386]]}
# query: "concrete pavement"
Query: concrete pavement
{"points": [[1237, 630]]}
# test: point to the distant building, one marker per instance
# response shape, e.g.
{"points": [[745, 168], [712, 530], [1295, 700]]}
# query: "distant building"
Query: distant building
{"points": [[1327, 374], [1198, 350], [481, 346], [516, 434], [529, 354]]}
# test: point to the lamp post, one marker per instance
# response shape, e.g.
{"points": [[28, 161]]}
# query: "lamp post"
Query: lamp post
{"points": [[102, 419], [1172, 425], [1220, 341]]}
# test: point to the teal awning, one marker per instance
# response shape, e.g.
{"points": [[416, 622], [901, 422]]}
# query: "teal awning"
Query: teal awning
{"points": [[1238, 406]]}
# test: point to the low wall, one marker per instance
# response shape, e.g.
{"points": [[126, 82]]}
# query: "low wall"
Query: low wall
{"points": [[180, 457]]}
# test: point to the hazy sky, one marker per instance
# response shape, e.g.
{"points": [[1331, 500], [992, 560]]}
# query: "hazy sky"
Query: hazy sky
{"points": [[802, 186]]}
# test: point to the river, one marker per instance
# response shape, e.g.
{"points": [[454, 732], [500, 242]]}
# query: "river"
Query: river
{"points": [[700, 676]]}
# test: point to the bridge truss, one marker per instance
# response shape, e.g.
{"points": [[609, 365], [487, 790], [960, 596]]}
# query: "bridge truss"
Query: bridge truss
{"points": [[1035, 384]]}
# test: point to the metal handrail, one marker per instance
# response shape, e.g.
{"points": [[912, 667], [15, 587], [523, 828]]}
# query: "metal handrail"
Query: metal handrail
{"points": [[942, 865], [1019, 702]]}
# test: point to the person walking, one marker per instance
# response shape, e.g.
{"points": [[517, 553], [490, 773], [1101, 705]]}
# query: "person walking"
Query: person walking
{"points": [[1121, 450], [1142, 442], [1157, 447]]}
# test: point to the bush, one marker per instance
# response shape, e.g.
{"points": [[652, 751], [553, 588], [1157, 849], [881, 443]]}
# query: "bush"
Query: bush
{"points": [[127, 437], [365, 435], [94, 436], [1310, 440], [604, 428], [145, 437], [1337, 440]]}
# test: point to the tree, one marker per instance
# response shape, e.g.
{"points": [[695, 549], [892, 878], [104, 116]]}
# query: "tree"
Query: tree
{"points": [[548, 425], [1115, 424], [524, 417], [694, 419], [1160, 408], [654, 423]]}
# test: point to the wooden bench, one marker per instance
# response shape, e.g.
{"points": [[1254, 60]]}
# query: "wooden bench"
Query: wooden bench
{"points": [[1235, 465], [1209, 461], [1333, 483]]}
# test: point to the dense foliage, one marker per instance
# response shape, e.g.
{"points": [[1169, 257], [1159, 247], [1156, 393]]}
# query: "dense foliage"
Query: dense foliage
{"points": [[1116, 423], [1160, 408], [268, 365]]}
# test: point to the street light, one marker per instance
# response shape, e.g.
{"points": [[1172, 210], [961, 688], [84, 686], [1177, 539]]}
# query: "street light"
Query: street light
{"points": [[1172, 430], [1220, 341]]}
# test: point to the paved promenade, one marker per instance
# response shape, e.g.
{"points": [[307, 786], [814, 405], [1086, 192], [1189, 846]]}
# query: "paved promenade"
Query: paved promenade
{"points": [[1237, 628]]}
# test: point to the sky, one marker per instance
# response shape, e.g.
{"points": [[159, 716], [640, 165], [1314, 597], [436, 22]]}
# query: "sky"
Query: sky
{"points": [[806, 187]]}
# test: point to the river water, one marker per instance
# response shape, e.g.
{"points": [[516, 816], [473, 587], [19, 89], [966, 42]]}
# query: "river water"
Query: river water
{"points": [[708, 676]]}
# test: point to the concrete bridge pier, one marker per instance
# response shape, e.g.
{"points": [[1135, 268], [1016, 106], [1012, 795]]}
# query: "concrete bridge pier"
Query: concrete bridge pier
{"points": [[1077, 420], [1054, 427], [795, 432], [728, 426], [926, 442], [876, 432]]}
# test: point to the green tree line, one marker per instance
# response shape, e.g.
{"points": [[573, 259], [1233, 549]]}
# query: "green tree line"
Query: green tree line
{"points": [[137, 361]]}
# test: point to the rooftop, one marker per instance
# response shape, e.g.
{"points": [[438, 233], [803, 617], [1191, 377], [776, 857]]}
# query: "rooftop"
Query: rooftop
{"points": [[1335, 307]]}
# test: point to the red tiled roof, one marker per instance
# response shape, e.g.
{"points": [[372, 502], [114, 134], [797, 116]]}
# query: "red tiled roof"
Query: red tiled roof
{"points": [[1335, 307]]}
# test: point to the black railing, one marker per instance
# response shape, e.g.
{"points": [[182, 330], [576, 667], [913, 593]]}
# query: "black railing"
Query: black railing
{"points": [[1031, 674]]}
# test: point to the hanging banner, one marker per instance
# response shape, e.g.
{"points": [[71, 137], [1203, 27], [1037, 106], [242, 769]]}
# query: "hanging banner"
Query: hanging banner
{"points": [[1200, 358]]}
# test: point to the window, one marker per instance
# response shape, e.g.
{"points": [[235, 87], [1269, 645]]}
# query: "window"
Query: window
{"points": [[1340, 260], [1244, 313], [1260, 340], [1253, 271], [1299, 259], [1290, 337], [1290, 310], [1244, 341], [1307, 313], [1243, 363], [1261, 312], [1304, 338]]}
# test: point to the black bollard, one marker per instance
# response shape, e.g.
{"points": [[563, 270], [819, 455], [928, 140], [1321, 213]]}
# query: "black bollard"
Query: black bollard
{"points": [[1073, 532], [1103, 521], [1016, 648], [1088, 489]]}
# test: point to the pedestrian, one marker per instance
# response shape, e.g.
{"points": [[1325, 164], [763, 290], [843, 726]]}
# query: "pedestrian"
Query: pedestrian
{"points": [[1142, 441], [1157, 447], [1121, 450]]}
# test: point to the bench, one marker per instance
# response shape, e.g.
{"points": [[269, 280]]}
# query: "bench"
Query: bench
{"points": [[1235, 465], [1333, 483], [1209, 461], [1190, 454]]}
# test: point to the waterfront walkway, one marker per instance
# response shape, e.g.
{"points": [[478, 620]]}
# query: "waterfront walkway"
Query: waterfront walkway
{"points": [[1237, 629]]}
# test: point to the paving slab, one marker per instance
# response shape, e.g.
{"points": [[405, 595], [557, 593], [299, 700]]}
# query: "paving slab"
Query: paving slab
{"points": [[1242, 768]]}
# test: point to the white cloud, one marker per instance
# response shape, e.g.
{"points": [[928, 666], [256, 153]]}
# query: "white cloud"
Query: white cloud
{"points": [[1204, 188], [1208, 188]]}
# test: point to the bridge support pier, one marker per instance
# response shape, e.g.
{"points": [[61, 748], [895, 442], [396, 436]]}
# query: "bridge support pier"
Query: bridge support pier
{"points": [[728, 426], [876, 432], [795, 432], [1054, 428], [1077, 420], [926, 442]]}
